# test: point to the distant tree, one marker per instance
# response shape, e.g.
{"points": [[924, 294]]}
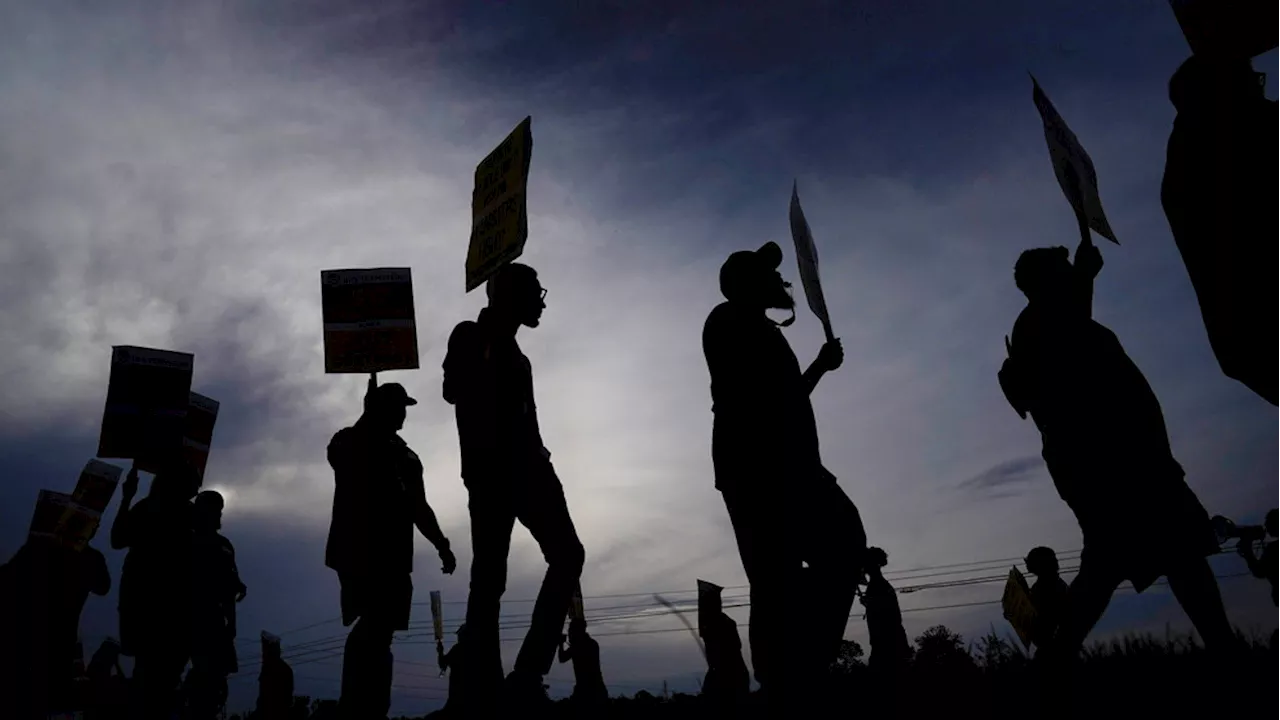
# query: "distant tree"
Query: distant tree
{"points": [[940, 649], [996, 653], [849, 658]]}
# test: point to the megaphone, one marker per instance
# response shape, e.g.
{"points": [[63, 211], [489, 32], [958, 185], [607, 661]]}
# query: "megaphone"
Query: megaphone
{"points": [[1225, 530]]}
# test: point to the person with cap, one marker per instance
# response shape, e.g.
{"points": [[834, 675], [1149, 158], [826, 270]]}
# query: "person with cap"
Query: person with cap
{"points": [[508, 474], [155, 582], [379, 498], [1107, 450], [785, 507], [216, 588]]}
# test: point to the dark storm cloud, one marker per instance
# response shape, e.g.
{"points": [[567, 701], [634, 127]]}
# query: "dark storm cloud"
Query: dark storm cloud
{"points": [[1004, 479]]}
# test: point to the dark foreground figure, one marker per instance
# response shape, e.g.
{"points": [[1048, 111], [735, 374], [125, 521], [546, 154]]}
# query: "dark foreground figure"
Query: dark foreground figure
{"points": [[155, 585], [785, 507], [1107, 450], [1219, 195], [378, 500], [508, 475]]}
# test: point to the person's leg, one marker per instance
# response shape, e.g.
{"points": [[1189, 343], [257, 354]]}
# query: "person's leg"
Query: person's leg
{"points": [[545, 513], [763, 546], [1087, 598], [1196, 590], [491, 524], [834, 546]]}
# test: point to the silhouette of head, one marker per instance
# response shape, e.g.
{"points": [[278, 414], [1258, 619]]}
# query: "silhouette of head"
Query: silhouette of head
{"points": [[515, 293], [208, 507], [1043, 274], [1270, 523], [751, 277], [1042, 562], [385, 406], [876, 559]]}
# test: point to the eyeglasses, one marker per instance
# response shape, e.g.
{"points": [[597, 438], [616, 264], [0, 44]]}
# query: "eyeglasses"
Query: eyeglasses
{"points": [[542, 294]]}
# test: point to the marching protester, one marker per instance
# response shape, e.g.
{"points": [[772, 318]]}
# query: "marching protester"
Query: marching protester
{"points": [[378, 500], [785, 507], [155, 583], [508, 474], [1107, 450]]}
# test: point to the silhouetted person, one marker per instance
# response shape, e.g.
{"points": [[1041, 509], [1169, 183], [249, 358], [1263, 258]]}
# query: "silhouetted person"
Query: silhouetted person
{"points": [[155, 583], [108, 685], [785, 507], [1268, 565], [1219, 195], [509, 476], [727, 683], [584, 652], [46, 585], [889, 645], [378, 500], [1107, 450], [216, 588], [275, 684], [1048, 594]]}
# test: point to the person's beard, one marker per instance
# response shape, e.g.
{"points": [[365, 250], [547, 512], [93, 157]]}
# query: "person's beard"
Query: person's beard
{"points": [[781, 298]]}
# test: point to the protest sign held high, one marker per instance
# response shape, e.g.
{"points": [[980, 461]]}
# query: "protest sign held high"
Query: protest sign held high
{"points": [[202, 414], [96, 485], [807, 257], [499, 207], [1073, 168], [368, 320], [147, 398]]}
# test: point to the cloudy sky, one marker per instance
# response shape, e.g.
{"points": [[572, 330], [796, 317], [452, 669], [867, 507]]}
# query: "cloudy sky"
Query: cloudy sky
{"points": [[178, 176]]}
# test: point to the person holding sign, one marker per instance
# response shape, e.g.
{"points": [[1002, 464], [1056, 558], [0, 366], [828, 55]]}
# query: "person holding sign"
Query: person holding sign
{"points": [[786, 508], [1048, 594], [155, 582], [508, 475], [378, 500], [890, 649], [1107, 450], [43, 589], [216, 590]]}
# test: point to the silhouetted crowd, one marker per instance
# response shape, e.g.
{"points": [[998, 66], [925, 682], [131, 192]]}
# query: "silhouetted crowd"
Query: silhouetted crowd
{"points": [[800, 537]]}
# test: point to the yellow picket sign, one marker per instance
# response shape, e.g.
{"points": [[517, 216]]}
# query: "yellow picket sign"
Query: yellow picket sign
{"points": [[499, 210]]}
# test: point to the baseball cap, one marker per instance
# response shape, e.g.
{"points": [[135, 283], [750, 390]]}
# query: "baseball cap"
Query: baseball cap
{"points": [[746, 266], [391, 394]]}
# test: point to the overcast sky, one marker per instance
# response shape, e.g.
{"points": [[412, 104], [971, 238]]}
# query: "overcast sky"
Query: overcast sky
{"points": [[177, 176]]}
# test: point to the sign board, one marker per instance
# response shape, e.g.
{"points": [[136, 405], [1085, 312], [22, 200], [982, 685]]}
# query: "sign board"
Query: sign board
{"points": [[1018, 608], [576, 609], [807, 257], [368, 320], [710, 603], [499, 207], [96, 485], [437, 615], [50, 507], [1232, 29], [57, 517], [77, 526], [1073, 167], [202, 414], [147, 399]]}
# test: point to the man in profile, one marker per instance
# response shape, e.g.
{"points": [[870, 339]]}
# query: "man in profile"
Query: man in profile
{"points": [[378, 500], [508, 475], [216, 588], [785, 507], [1106, 448]]}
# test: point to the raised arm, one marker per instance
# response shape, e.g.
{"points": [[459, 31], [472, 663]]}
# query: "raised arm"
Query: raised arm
{"points": [[122, 527], [829, 358]]}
